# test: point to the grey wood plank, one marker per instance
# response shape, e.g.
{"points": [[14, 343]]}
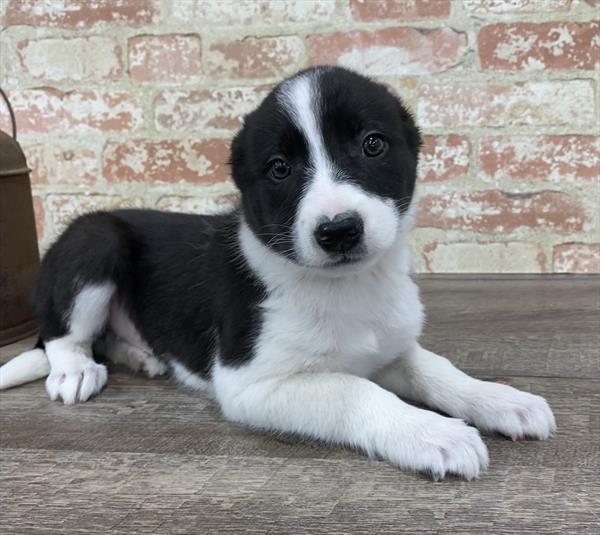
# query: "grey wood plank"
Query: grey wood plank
{"points": [[151, 493], [545, 326]]}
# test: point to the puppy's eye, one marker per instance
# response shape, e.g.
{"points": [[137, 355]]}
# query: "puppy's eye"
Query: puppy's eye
{"points": [[373, 145], [278, 169]]}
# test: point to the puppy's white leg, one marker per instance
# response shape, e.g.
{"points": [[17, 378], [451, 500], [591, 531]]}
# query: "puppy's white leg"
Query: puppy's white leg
{"points": [[74, 376], [426, 377], [135, 358], [349, 410]]}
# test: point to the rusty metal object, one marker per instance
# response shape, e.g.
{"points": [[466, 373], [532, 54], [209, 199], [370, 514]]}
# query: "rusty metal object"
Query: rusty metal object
{"points": [[19, 255]]}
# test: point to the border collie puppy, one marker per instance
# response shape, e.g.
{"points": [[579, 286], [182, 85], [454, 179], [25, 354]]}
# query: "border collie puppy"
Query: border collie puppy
{"points": [[297, 312]]}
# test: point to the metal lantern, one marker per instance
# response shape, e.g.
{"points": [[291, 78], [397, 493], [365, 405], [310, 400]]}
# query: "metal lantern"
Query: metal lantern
{"points": [[19, 255]]}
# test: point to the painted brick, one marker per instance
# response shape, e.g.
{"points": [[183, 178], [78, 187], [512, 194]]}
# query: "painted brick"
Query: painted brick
{"points": [[503, 257], [62, 209], [444, 157], [53, 165], [256, 57], [197, 205], [534, 47], [498, 212], [144, 160], [36, 110], [540, 158], [77, 60], [373, 10], [50, 110], [40, 216], [576, 258], [390, 51], [97, 111], [221, 109], [79, 13], [516, 6], [165, 58], [252, 12], [488, 104]]}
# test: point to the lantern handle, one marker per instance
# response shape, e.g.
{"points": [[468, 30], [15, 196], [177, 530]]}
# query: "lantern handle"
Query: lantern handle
{"points": [[12, 114]]}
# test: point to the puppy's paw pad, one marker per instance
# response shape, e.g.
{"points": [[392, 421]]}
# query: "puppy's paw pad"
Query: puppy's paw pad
{"points": [[76, 384], [511, 412]]}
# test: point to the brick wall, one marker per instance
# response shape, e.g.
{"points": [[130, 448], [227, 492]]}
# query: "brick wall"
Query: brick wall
{"points": [[133, 103]]}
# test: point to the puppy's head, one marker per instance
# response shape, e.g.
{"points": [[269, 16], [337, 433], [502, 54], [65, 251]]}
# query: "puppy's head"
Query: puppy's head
{"points": [[326, 166]]}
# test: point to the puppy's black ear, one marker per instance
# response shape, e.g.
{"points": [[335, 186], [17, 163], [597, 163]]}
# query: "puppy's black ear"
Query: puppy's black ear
{"points": [[237, 157]]}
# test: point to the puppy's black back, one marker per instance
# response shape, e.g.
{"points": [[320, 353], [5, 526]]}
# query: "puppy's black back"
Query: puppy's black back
{"points": [[179, 277]]}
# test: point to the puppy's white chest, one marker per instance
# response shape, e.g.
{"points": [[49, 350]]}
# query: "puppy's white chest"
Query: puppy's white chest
{"points": [[347, 329]]}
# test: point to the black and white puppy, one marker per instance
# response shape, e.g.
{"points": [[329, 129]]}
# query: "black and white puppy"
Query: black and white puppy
{"points": [[297, 312]]}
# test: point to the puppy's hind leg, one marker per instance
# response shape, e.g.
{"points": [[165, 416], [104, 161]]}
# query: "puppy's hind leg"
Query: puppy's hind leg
{"points": [[135, 358], [74, 376]]}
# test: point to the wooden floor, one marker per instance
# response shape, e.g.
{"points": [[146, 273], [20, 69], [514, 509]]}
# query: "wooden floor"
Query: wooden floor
{"points": [[145, 457]]}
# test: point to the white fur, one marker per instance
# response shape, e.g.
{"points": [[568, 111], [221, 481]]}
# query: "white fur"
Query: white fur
{"points": [[123, 344], [27, 367], [344, 409], [188, 378], [327, 194], [136, 358], [74, 376], [425, 377], [322, 338]]}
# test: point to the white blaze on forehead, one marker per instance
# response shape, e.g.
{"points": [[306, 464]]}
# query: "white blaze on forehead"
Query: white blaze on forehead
{"points": [[301, 98], [326, 193]]}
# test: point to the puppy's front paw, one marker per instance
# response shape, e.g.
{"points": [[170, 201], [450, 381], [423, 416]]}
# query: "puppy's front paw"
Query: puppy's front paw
{"points": [[77, 383], [438, 446], [506, 410]]}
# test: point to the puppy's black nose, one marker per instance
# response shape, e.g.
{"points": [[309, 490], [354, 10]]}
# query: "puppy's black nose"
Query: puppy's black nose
{"points": [[341, 234]]}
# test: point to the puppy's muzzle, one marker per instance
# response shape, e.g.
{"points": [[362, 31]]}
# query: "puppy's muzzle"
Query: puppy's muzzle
{"points": [[341, 234]]}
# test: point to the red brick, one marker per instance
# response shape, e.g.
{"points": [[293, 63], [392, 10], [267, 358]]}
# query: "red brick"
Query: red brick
{"points": [[256, 57], [144, 160], [476, 257], [498, 212], [79, 13], [198, 205], [533, 47], [373, 10], [488, 104], [74, 59], [50, 110], [40, 215], [252, 12], [221, 109], [576, 258], [165, 58], [540, 158], [444, 157], [516, 6], [55, 165], [390, 51]]}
